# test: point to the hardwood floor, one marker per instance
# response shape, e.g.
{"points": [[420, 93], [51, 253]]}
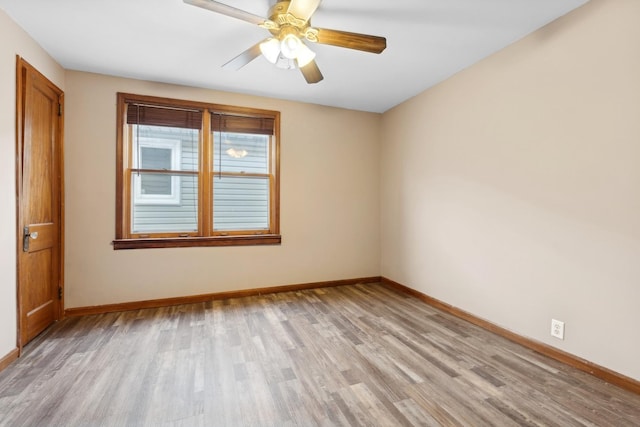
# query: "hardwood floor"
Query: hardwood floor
{"points": [[349, 355]]}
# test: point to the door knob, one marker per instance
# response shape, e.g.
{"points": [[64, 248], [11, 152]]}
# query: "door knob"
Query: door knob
{"points": [[25, 238]]}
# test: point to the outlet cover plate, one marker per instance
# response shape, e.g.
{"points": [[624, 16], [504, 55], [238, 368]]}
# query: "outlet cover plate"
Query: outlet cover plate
{"points": [[557, 329]]}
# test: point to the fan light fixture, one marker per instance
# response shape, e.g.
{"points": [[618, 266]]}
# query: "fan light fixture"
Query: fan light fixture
{"points": [[305, 55], [270, 49], [290, 47]]}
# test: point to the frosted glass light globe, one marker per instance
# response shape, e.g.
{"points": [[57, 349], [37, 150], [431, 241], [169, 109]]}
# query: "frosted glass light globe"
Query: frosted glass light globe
{"points": [[290, 45]]}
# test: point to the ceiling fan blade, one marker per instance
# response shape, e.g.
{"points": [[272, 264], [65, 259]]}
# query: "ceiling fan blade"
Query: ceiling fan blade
{"points": [[311, 72], [364, 42], [303, 9], [244, 58], [224, 9]]}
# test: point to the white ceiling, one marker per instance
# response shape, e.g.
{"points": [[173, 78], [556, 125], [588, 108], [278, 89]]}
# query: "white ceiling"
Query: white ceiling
{"points": [[173, 42]]}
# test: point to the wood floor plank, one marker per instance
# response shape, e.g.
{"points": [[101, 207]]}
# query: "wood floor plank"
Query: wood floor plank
{"points": [[356, 355]]}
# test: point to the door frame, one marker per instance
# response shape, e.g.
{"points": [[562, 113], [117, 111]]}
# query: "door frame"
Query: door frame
{"points": [[23, 67]]}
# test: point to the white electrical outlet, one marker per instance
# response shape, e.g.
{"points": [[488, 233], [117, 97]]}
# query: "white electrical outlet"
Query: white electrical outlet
{"points": [[557, 329]]}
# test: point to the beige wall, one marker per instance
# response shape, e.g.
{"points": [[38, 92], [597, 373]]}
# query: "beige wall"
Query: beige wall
{"points": [[13, 41], [329, 203], [512, 190]]}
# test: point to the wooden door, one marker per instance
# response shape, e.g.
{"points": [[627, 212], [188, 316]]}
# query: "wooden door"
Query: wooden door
{"points": [[39, 185]]}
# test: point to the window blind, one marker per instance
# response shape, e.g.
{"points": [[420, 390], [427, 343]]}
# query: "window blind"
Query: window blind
{"points": [[241, 124], [155, 115]]}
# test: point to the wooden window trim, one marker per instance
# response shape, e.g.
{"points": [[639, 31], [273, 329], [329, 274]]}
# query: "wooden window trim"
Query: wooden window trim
{"points": [[185, 242], [205, 236]]}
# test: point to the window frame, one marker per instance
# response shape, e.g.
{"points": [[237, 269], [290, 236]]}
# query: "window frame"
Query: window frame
{"points": [[205, 236]]}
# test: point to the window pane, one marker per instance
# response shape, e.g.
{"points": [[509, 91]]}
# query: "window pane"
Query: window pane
{"points": [[155, 158], [156, 216], [165, 148], [151, 184], [240, 152], [240, 203]]}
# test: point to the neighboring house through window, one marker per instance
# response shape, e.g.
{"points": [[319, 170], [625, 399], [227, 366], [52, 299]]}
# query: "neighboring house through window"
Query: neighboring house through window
{"points": [[195, 174], [159, 155]]}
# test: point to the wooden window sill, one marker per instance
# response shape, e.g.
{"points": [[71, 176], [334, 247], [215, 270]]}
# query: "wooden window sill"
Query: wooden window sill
{"points": [[185, 242]]}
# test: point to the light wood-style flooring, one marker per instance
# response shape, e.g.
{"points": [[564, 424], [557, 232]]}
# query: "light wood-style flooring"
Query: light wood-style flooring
{"points": [[343, 356]]}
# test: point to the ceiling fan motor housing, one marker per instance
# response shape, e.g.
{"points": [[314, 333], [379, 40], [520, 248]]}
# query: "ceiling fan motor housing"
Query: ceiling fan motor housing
{"points": [[286, 23]]}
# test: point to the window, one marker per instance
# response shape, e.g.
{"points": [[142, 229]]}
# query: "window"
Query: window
{"points": [[195, 174], [157, 155]]}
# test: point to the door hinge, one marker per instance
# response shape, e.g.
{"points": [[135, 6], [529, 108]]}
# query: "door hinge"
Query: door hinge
{"points": [[59, 292], [59, 109]]}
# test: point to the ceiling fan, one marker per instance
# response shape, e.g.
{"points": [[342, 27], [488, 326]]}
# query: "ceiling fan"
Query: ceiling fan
{"points": [[289, 23]]}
